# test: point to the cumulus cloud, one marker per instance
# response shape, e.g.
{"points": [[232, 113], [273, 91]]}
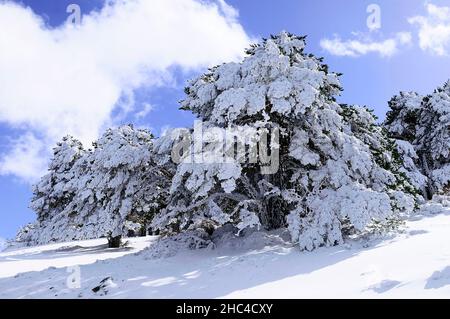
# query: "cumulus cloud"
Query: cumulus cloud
{"points": [[363, 45], [25, 160], [434, 29], [68, 80]]}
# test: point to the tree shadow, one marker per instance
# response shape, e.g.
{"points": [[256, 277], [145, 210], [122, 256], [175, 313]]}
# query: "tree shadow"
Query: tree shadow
{"points": [[384, 286], [65, 251], [439, 279]]}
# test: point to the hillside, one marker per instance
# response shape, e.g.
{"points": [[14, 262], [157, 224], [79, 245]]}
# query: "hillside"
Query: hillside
{"points": [[413, 264]]}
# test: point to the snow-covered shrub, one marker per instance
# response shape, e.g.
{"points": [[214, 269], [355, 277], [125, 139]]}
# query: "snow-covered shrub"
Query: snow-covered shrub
{"points": [[170, 246], [226, 238], [444, 200], [27, 235], [338, 172], [132, 229], [3, 244], [433, 208]]}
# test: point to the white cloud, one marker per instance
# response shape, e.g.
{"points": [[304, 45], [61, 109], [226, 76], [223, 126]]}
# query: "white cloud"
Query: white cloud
{"points": [[26, 159], [228, 10], [146, 109], [67, 80], [363, 45], [434, 29]]}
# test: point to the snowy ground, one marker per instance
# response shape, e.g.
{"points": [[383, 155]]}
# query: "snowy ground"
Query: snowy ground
{"points": [[414, 264]]}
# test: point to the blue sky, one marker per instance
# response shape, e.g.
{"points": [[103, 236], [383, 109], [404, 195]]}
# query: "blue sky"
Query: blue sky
{"points": [[407, 52]]}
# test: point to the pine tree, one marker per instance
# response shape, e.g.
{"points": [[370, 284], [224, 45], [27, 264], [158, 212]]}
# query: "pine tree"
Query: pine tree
{"points": [[51, 194], [433, 138], [337, 171], [402, 119], [421, 126], [100, 192]]}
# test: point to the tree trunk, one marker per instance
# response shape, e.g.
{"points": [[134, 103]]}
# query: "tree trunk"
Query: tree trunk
{"points": [[430, 187], [114, 242]]}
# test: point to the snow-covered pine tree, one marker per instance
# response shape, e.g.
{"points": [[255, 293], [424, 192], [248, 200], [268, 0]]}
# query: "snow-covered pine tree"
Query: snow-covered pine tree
{"points": [[52, 193], [421, 125], [402, 119], [107, 181], [338, 172], [433, 138], [97, 193]]}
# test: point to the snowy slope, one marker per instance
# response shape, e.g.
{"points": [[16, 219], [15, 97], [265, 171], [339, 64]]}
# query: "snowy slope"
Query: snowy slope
{"points": [[415, 263]]}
